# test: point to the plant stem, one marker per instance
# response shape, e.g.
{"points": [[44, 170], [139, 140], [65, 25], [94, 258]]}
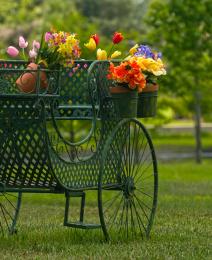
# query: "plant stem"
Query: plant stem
{"points": [[24, 57], [110, 50]]}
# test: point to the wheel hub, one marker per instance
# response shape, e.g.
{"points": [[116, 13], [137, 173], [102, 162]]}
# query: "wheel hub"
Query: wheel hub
{"points": [[129, 187]]}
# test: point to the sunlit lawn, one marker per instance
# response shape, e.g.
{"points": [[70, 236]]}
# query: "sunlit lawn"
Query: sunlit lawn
{"points": [[182, 228], [181, 141]]}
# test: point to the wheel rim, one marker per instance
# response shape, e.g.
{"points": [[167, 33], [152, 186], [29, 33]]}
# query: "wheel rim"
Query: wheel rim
{"points": [[9, 210], [128, 182]]}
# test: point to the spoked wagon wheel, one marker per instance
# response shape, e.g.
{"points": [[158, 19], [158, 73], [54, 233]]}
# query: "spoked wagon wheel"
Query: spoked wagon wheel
{"points": [[128, 182], [9, 209]]}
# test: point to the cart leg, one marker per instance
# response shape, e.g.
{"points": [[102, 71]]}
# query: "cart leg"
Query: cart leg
{"points": [[80, 223], [69, 194]]}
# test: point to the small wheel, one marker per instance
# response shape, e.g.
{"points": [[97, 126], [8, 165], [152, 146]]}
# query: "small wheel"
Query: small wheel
{"points": [[9, 209], [128, 182]]}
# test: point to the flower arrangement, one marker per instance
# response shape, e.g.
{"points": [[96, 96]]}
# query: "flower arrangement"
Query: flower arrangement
{"points": [[55, 48], [62, 48], [59, 48], [142, 66]]}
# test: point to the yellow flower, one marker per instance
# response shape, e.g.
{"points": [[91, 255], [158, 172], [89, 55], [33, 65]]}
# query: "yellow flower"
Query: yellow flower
{"points": [[156, 67], [133, 49], [115, 54], [70, 48], [101, 54], [128, 58], [91, 45]]}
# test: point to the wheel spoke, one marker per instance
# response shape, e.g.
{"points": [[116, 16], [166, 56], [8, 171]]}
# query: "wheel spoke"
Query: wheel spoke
{"points": [[144, 193], [111, 203], [116, 213], [138, 218], [142, 173], [10, 201], [132, 161], [8, 212], [143, 203], [11, 195], [2, 230], [4, 217], [139, 203], [141, 164], [126, 219], [132, 218]]}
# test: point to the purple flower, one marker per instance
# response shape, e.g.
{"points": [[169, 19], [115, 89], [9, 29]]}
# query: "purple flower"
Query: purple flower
{"points": [[144, 50], [159, 55]]}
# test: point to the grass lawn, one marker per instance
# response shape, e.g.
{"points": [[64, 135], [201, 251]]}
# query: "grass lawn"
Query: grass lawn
{"points": [[182, 228], [181, 140]]}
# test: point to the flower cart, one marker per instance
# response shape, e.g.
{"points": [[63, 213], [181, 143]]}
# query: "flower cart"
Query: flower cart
{"points": [[121, 165], [115, 158]]}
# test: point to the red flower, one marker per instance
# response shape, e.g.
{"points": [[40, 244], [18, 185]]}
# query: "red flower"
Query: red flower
{"points": [[117, 37], [96, 38]]}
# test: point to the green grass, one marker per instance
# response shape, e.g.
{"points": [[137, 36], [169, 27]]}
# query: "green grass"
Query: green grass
{"points": [[182, 140], [182, 228]]}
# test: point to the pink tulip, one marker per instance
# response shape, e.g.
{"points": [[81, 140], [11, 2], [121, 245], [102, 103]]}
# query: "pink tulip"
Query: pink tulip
{"points": [[12, 51], [22, 43], [32, 53], [36, 45], [47, 36]]}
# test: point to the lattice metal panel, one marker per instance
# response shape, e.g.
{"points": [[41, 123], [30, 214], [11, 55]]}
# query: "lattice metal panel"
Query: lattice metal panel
{"points": [[79, 95], [74, 90], [76, 175], [84, 174], [24, 151]]}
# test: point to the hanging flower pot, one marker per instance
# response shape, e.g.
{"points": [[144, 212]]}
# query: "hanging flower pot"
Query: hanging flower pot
{"points": [[147, 101], [28, 80], [125, 101]]}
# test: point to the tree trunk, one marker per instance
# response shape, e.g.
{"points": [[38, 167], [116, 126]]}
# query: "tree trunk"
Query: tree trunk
{"points": [[197, 118]]}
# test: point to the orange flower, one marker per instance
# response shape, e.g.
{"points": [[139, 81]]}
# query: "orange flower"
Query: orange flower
{"points": [[128, 72]]}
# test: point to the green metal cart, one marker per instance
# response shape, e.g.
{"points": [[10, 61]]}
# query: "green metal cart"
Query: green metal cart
{"points": [[115, 158]]}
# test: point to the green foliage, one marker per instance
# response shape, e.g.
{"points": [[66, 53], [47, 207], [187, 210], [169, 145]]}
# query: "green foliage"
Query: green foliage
{"points": [[110, 15], [182, 30]]}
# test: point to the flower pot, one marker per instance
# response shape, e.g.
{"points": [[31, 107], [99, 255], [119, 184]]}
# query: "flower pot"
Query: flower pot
{"points": [[125, 102], [27, 81], [147, 101]]}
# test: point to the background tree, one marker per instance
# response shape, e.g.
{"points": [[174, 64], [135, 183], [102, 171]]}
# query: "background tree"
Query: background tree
{"points": [[182, 29], [118, 15]]}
